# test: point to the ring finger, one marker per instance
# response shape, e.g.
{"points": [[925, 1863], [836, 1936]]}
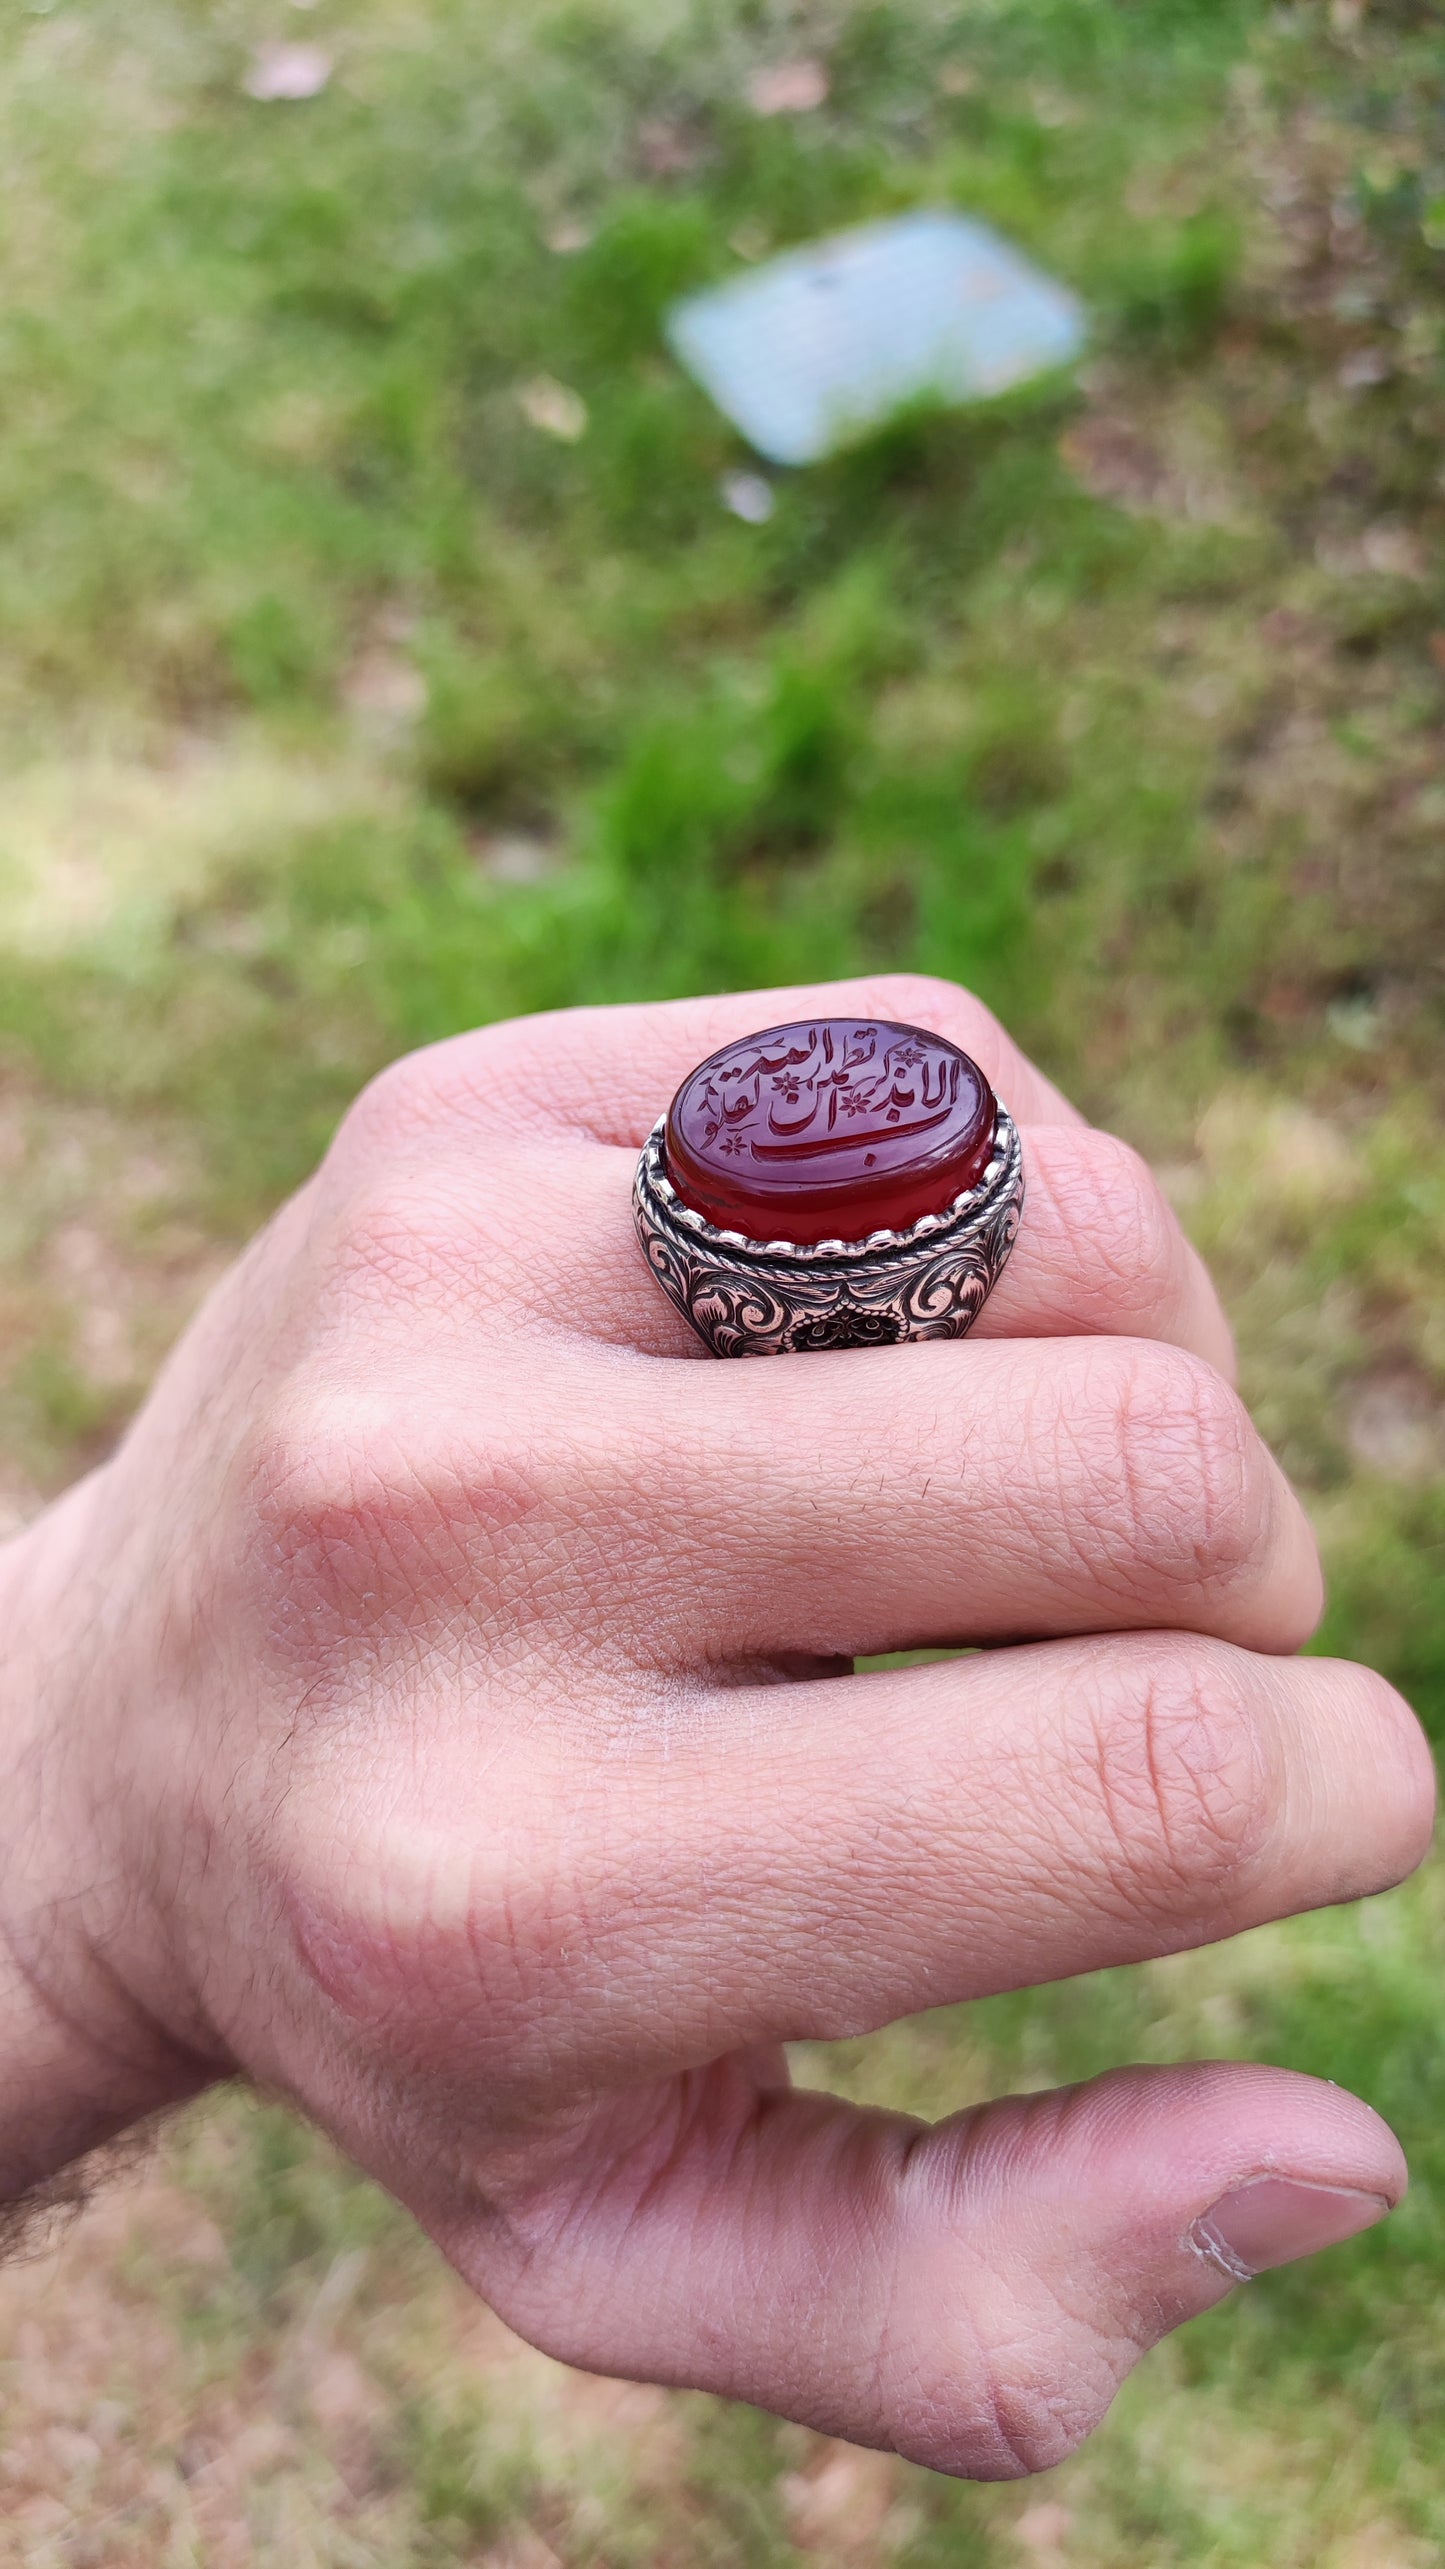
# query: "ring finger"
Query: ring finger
{"points": [[1099, 1252], [894, 1498]]}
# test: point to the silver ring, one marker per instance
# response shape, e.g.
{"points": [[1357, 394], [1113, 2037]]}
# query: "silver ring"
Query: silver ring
{"points": [[774, 1297]]}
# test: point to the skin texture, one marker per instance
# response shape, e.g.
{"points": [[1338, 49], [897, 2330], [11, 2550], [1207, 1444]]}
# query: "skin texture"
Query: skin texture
{"points": [[439, 1711]]}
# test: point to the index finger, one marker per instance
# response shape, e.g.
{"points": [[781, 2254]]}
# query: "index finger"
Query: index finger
{"points": [[609, 1073], [1098, 1249]]}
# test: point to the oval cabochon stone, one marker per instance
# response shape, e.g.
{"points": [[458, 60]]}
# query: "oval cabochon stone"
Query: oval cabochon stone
{"points": [[829, 1129]]}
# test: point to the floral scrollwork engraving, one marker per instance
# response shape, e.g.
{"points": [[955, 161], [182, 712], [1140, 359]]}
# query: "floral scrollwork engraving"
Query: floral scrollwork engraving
{"points": [[747, 1298]]}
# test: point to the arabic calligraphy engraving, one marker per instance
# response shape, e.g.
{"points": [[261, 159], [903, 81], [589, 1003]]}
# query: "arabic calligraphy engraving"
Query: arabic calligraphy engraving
{"points": [[833, 1127]]}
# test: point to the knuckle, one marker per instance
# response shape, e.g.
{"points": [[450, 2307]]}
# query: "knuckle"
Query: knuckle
{"points": [[431, 1934], [311, 1455], [432, 1232], [1400, 1758], [1193, 1479], [1110, 1203], [399, 1221], [489, 1082], [926, 999], [401, 1102], [1036, 2375], [401, 1231], [1044, 2401], [399, 1542], [1186, 1782], [369, 1510], [326, 1494]]}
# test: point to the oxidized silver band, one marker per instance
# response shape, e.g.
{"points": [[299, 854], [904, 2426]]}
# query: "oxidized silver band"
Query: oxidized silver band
{"points": [[772, 1297]]}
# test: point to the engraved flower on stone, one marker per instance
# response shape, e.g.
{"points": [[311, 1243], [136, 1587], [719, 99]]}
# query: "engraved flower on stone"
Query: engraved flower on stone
{"points": [[732, 1144]]}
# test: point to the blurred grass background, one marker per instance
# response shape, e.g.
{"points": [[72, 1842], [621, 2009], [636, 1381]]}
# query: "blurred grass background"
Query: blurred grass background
{"points": [[343, 702]]}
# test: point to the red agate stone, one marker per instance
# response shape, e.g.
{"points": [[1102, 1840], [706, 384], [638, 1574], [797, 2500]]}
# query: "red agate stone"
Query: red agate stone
{"points": [[828, 1130]]}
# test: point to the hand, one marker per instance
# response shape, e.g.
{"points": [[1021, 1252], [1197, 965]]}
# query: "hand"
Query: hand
{"points": [[425, 1714]]}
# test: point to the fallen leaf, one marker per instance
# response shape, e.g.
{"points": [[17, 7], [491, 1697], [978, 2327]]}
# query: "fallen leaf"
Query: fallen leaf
{"points": [[1388, 551], [554, 408], [1111, 460], [1364, 368], [289, 71], [788, 88], [568, 236], [839, 2505], [384, 689], [509, 856], [1396, 550], [748, 496], [1396, 1427], [1283, 626], [667, 149], [1052, 110], [1044, 2529]]}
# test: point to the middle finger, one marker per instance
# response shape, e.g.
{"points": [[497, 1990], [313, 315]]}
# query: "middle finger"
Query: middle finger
{"points": [[892, 1498], [1099, 1250], [811, 1860]]}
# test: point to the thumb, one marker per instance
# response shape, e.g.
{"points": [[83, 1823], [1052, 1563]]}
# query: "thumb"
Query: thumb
{"points": [[969, 2294]]}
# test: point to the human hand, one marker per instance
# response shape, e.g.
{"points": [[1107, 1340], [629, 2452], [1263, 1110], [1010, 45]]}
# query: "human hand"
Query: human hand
{"points": [[424, 1714]]}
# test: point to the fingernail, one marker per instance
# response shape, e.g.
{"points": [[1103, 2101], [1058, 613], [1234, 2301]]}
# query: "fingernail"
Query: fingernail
{"points": [[1272, 2220]]}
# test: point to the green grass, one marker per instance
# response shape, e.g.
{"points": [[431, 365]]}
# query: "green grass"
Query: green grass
{"points": [[1120, 700]]}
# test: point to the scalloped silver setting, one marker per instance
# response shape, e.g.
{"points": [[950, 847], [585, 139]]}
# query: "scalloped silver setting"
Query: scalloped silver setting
{"points": [[779, 1297]]}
